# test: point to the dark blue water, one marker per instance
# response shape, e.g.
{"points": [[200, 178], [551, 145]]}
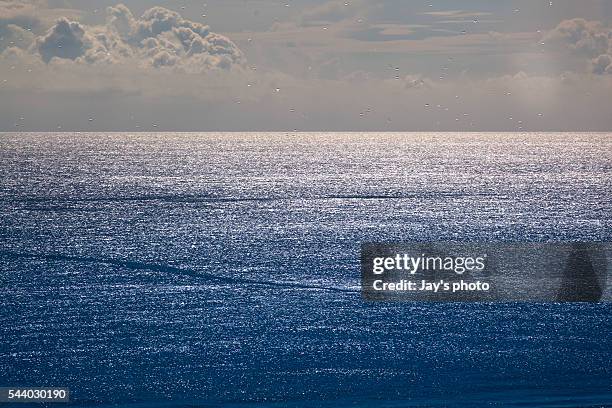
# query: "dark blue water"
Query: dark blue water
{"points": [[222, 269]]}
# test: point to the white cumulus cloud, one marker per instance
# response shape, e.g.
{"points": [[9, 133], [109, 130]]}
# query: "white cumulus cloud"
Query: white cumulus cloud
{"points": [[159, 38], [589, 38]]}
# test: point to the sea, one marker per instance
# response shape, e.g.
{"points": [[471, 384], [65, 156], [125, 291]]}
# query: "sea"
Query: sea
{"points": [[222, 269]]}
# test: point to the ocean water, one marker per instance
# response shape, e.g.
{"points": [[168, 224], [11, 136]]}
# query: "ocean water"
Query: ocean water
{"points": [[162, 269]]}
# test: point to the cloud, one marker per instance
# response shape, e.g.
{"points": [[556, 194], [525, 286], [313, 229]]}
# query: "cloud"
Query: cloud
{"points": [[330, 12], [456, 14], [332, 67], [591, 39], [416, 82], [160, 38], [602, 64], [12, 35], [18, 13], [65, 40], [120, 18], [262, 100], [170, 40], [18, 21], [32, 15]]}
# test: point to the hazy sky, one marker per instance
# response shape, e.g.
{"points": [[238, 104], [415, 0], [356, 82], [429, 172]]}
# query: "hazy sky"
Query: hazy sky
{"points": [[307, 65]]}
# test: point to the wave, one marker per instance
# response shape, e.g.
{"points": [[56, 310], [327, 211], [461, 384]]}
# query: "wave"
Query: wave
{"points": [[216, 199], [173, 270]]}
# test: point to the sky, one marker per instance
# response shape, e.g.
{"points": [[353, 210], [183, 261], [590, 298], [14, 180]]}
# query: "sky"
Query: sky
{"points": [[297, 65]]}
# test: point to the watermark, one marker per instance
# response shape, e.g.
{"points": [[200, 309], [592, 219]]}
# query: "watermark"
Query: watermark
{"points": [[486, 272], [34, 394]]}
